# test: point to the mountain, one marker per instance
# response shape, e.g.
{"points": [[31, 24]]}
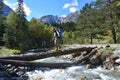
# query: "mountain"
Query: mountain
{"points": [[49, 19], [72, 17], [6, 10], [54, 19]]}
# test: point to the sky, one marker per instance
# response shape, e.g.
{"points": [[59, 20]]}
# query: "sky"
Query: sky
{"points": [[39, 8]]}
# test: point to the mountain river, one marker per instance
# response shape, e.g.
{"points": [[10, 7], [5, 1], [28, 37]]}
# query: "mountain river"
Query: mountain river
{"points": [[78, 72]]}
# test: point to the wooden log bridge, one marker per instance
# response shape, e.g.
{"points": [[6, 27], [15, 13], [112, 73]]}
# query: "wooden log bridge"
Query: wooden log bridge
{"points": [[26, 60], [41, 55]]}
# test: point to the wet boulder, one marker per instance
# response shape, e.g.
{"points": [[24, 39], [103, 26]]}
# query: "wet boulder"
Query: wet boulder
{"points": [[113, 59], [117, 61], [88, 66]]}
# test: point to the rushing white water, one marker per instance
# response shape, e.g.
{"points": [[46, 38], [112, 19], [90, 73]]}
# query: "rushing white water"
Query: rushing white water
{"points": [[73, 73]]}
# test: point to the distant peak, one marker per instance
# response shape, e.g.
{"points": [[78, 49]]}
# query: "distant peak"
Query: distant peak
{"points": [[72, 17]]}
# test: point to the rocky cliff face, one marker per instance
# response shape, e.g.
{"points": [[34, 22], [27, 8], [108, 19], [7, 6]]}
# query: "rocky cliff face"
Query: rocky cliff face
{"points": [[6, 10], [71, 17], [54, 19], [49, 19]]}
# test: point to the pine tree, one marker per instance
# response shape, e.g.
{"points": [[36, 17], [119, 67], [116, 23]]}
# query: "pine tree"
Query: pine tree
{"points": [[112, 18], [1, 21], [1, 11], [1, 7], [20, 9], [22, 25], [16, 34], [99, 17], [87, 22]]}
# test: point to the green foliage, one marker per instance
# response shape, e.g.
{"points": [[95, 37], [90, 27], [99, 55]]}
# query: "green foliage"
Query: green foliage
{"points": [[87, 22], [2, 30], [40, 35], [68, 26], [65, 26], [118, 4], [7, 52], [70, 37], [97, 18], [16, 32], [11, 30], [118, 35], [20, 9], [2, 27], [1, 7]]}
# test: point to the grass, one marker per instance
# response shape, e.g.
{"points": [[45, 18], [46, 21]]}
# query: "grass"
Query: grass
{"points": [[115, 45], [7, 52]]}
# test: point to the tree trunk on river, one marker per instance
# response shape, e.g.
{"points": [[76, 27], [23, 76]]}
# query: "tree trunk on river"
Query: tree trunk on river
{"points": [[35, 56], [34, 64], [43, 64]]}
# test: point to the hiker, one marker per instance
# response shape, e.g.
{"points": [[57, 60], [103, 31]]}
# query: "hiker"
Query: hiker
{"points": [[56, 38]]}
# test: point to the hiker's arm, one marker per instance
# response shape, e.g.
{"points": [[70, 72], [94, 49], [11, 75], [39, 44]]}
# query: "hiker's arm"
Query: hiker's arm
{"points": [[53, 38]]}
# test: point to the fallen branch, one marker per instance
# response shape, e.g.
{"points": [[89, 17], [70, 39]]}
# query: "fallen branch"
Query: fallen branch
{"points": [[34, 64], [88, 56], [41, 55]]}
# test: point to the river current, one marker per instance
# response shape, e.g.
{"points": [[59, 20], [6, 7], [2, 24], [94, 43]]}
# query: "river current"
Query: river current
{"points": [[78, 72]]}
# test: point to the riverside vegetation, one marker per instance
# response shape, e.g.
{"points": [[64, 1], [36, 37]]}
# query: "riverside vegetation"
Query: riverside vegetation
{"points": [[99, 22]]}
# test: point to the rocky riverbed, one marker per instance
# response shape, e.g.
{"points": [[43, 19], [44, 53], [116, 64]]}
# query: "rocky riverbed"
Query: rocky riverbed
{"points": [[105, 65], [8, 72]]}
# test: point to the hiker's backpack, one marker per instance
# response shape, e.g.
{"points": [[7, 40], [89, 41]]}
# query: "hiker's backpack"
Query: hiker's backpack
{"points": [[60, 33]]}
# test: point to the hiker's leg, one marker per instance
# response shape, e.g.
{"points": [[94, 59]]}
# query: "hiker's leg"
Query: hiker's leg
{"points": [[58, 43], [55, 43]]}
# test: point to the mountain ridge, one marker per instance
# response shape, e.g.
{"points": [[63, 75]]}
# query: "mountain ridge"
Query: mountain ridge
{"points": [[6, 10], [72, 17]]}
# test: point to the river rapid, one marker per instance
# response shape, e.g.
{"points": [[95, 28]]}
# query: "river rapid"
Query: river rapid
{"points": [[78, 72]]}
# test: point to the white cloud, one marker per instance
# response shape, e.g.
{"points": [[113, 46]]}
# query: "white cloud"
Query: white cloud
{"points": [[11, 5], [72, 9], [14, 5], [63, 16], [67, 5], [27, 9]]}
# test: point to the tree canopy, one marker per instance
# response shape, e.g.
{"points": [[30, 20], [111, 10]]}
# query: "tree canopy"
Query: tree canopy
{"points": [[98, 17]]}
